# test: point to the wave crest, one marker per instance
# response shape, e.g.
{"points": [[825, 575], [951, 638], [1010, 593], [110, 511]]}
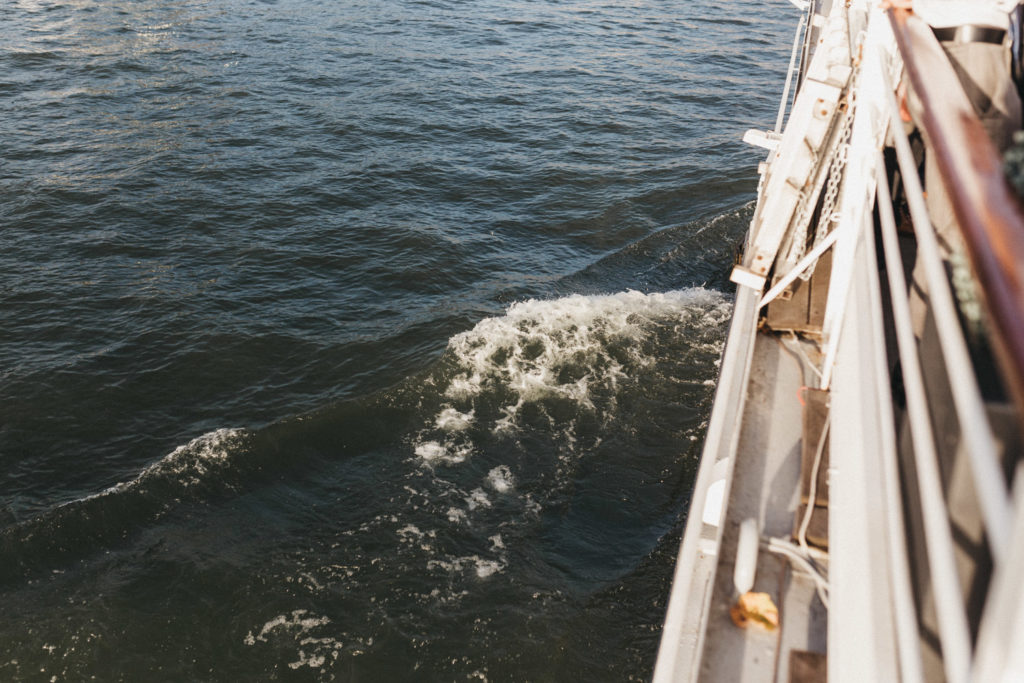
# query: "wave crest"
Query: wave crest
{"points": [[569, 354]]}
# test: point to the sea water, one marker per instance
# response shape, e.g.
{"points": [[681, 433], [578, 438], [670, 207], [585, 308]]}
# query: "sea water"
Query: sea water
{"points": [[361, 341]]}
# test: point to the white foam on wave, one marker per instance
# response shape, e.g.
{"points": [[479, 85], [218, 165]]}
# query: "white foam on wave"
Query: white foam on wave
{"points": [[314, 652], [482, 567], [313, 661], [486, 568], [500, 479], [189, 464], [412, 535], [410, 530], [297, 622], [447, 452], [430, 450], [477, 499], [451, 420], [562, 348], [194, 458], [585, 353]]}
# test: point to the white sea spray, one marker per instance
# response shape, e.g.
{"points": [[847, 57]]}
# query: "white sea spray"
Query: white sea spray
{"points": [[188, 464], [451, 420], [500, 479], [563, 347], [477, 499], [481, 567]]}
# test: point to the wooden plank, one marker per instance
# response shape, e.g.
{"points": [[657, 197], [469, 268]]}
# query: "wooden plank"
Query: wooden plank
{"points": [[819, 292], [815, 414], [789, 311], [807, 667], [802, 307], [815, 417]]}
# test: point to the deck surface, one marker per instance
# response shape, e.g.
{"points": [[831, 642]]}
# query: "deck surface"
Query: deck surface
{"points": [[766, 486]]}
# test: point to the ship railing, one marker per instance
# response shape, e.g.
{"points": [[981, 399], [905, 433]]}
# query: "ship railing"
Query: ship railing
{"points": [[987, 209], [799, 40], [992, 224], [993, 228]]}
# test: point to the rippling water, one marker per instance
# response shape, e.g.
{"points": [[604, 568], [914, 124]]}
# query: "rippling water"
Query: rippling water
{"points": [[361, 341]]}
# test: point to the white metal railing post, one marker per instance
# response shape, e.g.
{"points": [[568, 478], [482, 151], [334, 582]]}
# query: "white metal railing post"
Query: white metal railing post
{"points": [[970, 409], [905, 618], [857, 191], [999, 656], [789, 71], [953, 630]]}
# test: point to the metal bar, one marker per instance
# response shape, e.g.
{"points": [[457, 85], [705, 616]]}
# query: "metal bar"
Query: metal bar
{"points": [[907, 635], [857, 191], [999, 656], [805, 49], [913, 35], [802, 265], [953, 631], [861, 619], [789, 71], [842, 268], [989, 214]]}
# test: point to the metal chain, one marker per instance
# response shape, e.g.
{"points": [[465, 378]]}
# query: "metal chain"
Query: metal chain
{"points": [[836, 159], [835, 176], [828, 217]]}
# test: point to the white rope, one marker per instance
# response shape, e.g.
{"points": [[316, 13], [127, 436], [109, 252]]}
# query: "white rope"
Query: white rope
{"points": [[803, 354], [801, 536], [783, 547]]}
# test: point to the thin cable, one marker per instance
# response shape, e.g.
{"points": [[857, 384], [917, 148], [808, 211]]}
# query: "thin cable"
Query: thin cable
{"points": [[803, 354], [782, 547], [813, 493]]}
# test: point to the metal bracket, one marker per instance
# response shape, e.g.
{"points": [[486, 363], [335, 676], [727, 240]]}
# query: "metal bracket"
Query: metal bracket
{"points": [[766, 139], [747, 278]]}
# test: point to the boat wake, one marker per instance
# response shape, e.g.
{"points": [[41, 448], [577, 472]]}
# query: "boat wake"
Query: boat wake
{"points": [[538, 462], [554, 363], [542, 462]]}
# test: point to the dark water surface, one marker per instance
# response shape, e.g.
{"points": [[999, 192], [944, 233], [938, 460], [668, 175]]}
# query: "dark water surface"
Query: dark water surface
{"points": [[361, 341]]}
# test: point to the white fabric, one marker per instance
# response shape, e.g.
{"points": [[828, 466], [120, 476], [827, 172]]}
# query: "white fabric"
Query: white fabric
{"points": [[945, 13]]}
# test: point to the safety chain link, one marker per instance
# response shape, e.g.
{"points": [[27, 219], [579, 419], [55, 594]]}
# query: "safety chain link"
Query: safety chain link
{"points": [[839, 154], [835, 174], [835, 156]]}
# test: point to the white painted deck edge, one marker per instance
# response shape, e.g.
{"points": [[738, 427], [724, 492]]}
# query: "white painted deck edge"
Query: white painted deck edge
{"points": [[688, 608], [861, 634]]}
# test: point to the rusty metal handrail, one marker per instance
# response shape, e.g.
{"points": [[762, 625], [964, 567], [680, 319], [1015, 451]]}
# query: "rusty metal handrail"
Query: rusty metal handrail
{"points": [[989, 213]]}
